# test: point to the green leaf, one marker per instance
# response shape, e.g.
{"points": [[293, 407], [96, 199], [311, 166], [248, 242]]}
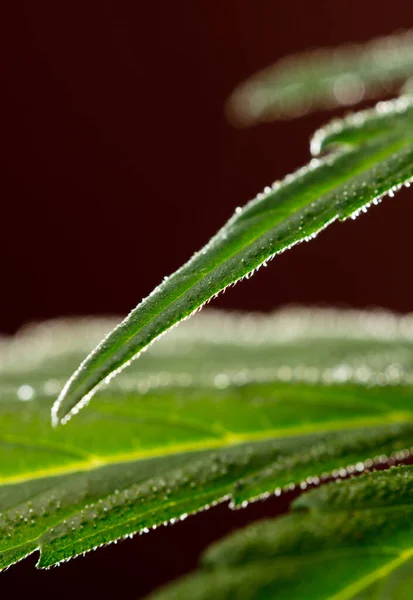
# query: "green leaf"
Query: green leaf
{"points": [[226, 407], [349, 540], [324, 78], [338, 186]]}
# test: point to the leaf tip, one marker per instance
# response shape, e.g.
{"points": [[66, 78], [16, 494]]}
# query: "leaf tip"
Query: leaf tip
{"points": [[63, 408], [238, 109], [55, 412]]}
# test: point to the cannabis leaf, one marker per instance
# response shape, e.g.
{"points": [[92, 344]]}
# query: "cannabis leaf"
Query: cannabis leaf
{"points": [[349, 540], [375, 156], [227, 407], [324, 78]]}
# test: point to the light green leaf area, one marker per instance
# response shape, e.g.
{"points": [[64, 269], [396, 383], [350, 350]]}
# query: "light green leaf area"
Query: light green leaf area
{"points": [[349, 540], [324, 78], [226, 407], [375, 157]]}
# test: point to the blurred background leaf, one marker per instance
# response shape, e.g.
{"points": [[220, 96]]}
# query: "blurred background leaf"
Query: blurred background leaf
{"points": [[324, 79]]}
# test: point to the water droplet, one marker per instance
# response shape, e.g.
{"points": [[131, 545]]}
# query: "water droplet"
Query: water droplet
{"points": [[26, 393], [221, 381]]}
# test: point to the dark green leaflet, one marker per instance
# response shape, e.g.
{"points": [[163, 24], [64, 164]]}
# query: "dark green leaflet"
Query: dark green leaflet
{"points": [[349, 540], [225, 407], [334, 187], [324, 78]]}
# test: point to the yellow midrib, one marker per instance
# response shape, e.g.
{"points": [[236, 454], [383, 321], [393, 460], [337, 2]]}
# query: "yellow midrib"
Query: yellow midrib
{"points": [[228, 439], [363, 583]]}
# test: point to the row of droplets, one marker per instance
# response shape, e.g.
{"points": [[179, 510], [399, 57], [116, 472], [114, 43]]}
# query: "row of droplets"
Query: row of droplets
{"points": [[392, 374]]}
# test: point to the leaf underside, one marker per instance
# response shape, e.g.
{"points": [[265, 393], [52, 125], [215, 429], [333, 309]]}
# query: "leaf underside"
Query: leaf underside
{"points": [[372, 154], [226, 407], [348, 540], [324, 78]]}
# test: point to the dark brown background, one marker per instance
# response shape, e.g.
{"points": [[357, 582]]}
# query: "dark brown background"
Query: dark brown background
{"points": [[118, 164]]}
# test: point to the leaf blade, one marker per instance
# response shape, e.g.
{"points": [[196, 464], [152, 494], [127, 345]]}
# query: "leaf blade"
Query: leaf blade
{"points": [[339, 186], [283, 414], [345, 541]]}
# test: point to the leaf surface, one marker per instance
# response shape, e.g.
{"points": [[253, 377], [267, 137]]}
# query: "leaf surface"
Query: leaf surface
{"points": [[226, 407], [324, 78], [379, 160], [349, 540]]}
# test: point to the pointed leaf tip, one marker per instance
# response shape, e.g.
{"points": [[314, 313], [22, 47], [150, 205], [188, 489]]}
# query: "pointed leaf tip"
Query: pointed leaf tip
{"points": [[379, 160]]}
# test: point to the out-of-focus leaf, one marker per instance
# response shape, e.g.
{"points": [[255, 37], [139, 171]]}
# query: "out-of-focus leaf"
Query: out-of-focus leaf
{"points": [[324, 78]]}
